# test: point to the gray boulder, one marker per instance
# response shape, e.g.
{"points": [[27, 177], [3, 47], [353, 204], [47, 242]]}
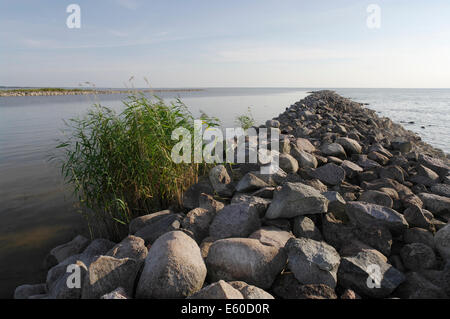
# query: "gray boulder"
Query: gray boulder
{"points": [[434, 164], [118, 293], [417, 256], [336, 204], [250, 183], [441, 189], [304, 159], [295, 199], [376, 197], [198, 221], [192, 195], [351, 169], [350, 146], [442, 242], [270, 235], [416, 286], [26, 291], [61, 252], [245, 259], [218, 290], [131, 247], [418, 235], [305, 227], [333, 149], [221, 181], [436, 204], [154, 228], [288, 163], [250, 291], [330, 174], [174, 268]]}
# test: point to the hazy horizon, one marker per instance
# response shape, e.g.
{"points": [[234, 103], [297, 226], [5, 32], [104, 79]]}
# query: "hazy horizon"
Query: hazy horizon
{"points": [[298, 44]]}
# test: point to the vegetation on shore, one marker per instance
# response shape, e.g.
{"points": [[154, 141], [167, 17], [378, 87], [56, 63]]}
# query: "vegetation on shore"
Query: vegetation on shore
{"points": [[120, 164]]}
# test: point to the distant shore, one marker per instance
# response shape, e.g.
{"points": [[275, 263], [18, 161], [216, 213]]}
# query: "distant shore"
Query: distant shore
{"points": [[60, 91]]}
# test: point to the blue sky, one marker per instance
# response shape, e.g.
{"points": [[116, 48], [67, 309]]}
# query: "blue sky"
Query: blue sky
{"points": [[251, 43]]}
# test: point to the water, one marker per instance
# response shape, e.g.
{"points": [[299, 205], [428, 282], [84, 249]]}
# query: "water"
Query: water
{"points": [[36, 208]]}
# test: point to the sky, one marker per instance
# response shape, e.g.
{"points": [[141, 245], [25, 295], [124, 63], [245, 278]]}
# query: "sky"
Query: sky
{"points": [[211, 43]]}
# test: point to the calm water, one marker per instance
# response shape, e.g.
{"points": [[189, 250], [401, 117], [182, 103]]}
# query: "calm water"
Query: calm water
{"points": [[36, 209]]}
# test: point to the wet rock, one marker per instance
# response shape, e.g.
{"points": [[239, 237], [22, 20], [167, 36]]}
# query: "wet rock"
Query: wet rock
{"points": [[376, 197], [436, 204], [250, 183], [174, 268], [417, 256], [330, 174], [295, 199], [245, 259], [355, 272], [442, 242], [288, 163], [312, 262], [272, 236], [305, 227], [350, 146], [218, 290], [250, 291], [333, 149], [235, 220], [221, 181], [286, 286], [198, 221], [367, 214], [105, 273], [130, 247], [26, 291]]}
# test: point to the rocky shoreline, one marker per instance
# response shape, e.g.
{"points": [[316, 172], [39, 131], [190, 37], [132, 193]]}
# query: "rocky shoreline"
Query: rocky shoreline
{"points": [[32, 92], [360, 209]]}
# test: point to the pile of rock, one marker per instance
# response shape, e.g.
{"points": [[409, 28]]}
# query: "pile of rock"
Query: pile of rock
{"points": [[360, 209]]}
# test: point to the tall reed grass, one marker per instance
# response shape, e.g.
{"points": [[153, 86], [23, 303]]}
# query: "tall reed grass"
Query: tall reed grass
{"points": [[120, 163]]}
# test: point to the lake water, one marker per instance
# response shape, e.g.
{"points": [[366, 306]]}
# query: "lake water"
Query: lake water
{"points": [[36, 208]]}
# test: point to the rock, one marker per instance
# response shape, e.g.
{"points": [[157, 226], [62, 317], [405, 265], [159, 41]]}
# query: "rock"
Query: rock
{"points": [[174, 268], [377, 157], [209, 203], [295, 199], [266, 192], [303, 158], [99, 246], [142, 221], [250, 291], [434, 164], [315, 183], [416, 217], [305, 227], [218, 290], [286, 286], [198, 222], [417, 256], [442, 242], [401, 145], [156, 227], [312, 262], [192, 195], [333, 149], [273, 123], [418, 235], [288, 163], [272, 236], [59, 276], [441, 190], [366, 214], [330, 174], [25, 291], [261, 204], [335, 232], [416, 286], [380, 149], [105, 273], [349, 294], [61, 252], [351, 169], [366, 269], [250, 183], [366, 163], [376, 197], [392, 172], [336, 204], [438, 205], [221, 181], [334, 160], [245, 259], [118, 293], [376, 236], [205, 245], [304, 145], [350, 146], [131, 247], [429, 177], [235, 220]]}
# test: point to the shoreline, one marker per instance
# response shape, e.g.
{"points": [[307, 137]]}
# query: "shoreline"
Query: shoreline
{"points": [[59, 92], [362, 187]]}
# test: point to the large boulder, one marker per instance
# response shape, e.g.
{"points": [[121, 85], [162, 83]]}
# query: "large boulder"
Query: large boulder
{"points": [[330, 174], [368, 273], [288, 163], [270, 235], [245, 259], [261, 204], [235, 220], [218, 290], [313, 262], [436, 204], [295, 199], [333, 149], [198, 221], [221, 181], [304, 159], [130, 247], [442, 242], [174, 268], [366, 214]]}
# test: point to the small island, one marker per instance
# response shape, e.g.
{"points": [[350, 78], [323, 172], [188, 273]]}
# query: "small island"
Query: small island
{"points": [[82, 91]]}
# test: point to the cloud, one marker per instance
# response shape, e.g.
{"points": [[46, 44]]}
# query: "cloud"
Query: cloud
{"points": [[128, 4]]}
